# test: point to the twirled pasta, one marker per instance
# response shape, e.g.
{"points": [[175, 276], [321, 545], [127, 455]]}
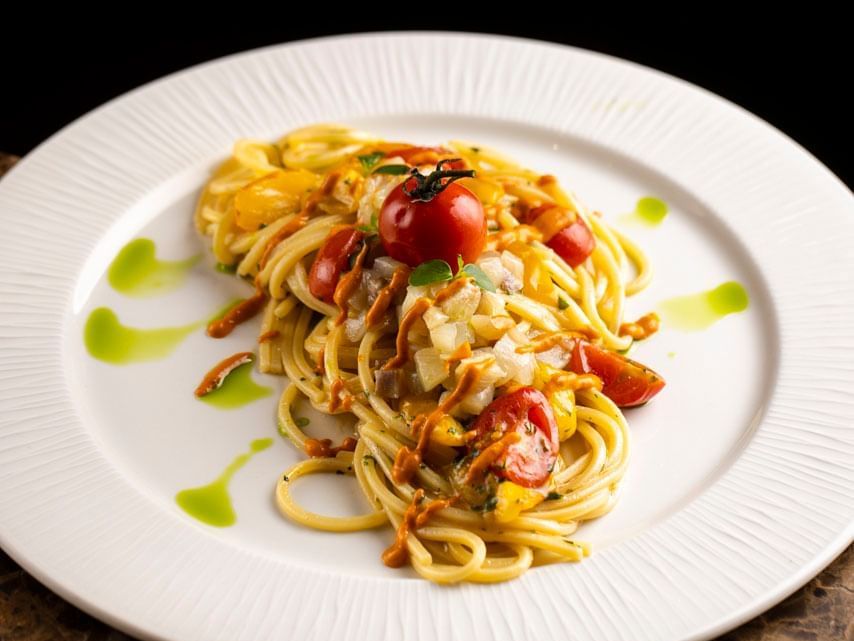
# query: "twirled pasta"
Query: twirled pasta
{"points": [[333, 364]]}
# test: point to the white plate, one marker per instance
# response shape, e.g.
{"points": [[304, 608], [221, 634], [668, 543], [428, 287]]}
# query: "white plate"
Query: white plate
{"points": [[741, 484]]}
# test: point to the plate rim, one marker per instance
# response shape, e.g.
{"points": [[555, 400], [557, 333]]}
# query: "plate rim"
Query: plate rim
{"points": [[759, 603]]}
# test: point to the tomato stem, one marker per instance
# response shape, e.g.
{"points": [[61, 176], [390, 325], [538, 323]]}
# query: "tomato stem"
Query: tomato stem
{"points": [[430, 185]]}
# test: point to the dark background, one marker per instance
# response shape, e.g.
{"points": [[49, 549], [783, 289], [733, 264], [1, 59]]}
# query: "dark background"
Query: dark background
{"points": [[794, 75]]}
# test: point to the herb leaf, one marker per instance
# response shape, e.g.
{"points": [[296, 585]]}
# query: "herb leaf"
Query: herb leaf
{"points": [[433, 271], [479, 276], [392, 170], [302, 421], [562, 303], [369, 160]]}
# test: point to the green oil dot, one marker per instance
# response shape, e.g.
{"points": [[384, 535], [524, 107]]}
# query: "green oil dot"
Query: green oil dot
{"points": [[137, 272], [108, 340], [211, 503], [649, 212], [701, 310], [237, 390]]}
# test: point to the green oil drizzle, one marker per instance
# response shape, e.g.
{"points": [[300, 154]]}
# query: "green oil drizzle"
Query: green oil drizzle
{"points": [[237, 390], [649, 212], [701, 310], [211, 503], [137, 272], [109, 341]]}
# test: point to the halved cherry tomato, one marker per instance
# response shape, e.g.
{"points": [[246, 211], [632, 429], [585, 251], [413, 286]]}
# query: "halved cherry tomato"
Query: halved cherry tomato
{"points": [[450, 223], [564, 231], [624, 381], [332, 259], [527, 412], [425, 155]]}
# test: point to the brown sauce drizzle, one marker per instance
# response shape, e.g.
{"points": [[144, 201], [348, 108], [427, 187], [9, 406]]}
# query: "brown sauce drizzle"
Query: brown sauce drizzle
{"points": [[489, 455], [386, 295], [322, 448], [407, 461], [240, 313], [290, 228], [642, 328], [415, 312], [545, 342], [449, 290], [339, 397], [214, 378], [348, 284], [268, 336], [415, 517], [463, 351], [299, 222]]}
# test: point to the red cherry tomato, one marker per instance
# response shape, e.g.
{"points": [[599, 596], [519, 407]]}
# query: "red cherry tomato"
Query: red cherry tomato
{"points": [[451, 224], [574, 243], [564, 232], [332, 259], [425, 155], [624, 381], [527, 412]]}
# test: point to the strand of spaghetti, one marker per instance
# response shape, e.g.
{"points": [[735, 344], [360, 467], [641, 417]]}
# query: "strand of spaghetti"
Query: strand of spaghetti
{"points": [[221, 236], [588, 303], [293, 351], [260, 239], [606, 236], [287, 426], [342, 463], [642, 266]]}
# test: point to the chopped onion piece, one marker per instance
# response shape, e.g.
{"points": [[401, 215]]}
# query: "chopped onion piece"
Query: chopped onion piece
{"points": [[491, 327], [491, 304], [463, 303], [431, 367], [475, 403], [448, 337], [518, 367], [434, 317], [492, 267], [385, 266], [557, 357], [513, 264], [354, 329]]}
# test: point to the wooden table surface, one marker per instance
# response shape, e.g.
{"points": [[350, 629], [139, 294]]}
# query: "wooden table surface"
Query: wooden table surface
{"points": [[822, 610]]}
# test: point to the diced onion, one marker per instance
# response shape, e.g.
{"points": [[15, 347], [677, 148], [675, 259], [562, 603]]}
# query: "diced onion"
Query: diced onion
{"points": [[385, 266], [431, 367]]}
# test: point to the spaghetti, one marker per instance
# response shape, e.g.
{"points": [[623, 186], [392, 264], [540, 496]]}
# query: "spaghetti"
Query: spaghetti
{"points": [[486, 391]]}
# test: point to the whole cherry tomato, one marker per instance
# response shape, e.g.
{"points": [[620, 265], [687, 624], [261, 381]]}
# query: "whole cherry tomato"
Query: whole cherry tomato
{"points": [[430, 217], [332, 259], [526, 411], [624, 381], [564, 231]]}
